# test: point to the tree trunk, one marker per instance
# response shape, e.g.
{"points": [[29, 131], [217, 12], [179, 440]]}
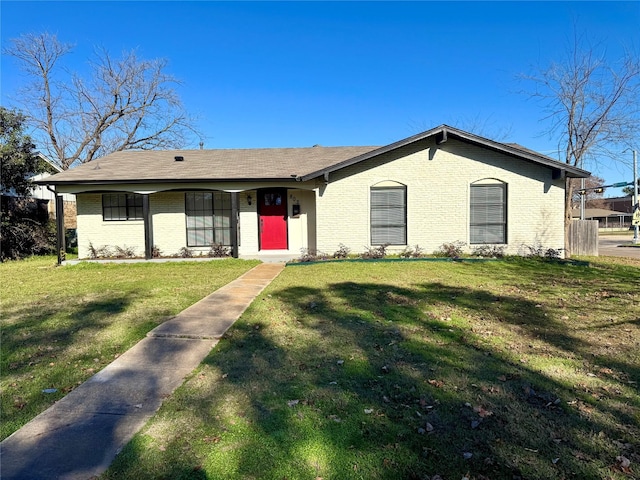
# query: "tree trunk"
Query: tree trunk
{"points": [[568, 216]]}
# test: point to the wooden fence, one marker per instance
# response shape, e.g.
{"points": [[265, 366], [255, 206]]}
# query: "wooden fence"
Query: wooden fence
{"points": [[583, 237]]}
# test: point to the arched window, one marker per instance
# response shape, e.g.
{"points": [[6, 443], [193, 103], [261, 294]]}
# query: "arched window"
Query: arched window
{"points": [[488, 216], [389, 214]]}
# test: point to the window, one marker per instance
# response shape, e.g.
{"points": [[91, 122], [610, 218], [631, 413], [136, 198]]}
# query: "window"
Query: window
{"points": [[389, 215], [488, 214], [121, 206], [208, 218]]}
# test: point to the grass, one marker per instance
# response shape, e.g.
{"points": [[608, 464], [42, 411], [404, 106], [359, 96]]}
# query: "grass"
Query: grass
{"points": [[60, 325], [518, 369]]}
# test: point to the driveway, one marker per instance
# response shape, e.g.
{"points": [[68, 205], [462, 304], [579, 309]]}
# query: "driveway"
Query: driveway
{"points": [[610, 245]]}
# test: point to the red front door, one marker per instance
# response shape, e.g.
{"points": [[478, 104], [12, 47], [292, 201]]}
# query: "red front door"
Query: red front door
{"points": [[272, 215]]}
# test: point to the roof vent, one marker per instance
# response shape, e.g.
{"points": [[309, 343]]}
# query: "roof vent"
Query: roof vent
{"points": [[179, 158]]}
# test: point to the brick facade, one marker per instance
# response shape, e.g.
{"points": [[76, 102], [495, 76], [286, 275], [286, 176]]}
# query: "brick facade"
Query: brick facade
{"points": [[438, 179]]}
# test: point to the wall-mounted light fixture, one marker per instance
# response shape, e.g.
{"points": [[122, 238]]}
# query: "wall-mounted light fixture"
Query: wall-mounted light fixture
{"points": [[249, 199]]}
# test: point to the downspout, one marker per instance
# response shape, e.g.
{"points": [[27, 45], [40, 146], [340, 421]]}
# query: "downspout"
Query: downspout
{"points": [[60, 230]]}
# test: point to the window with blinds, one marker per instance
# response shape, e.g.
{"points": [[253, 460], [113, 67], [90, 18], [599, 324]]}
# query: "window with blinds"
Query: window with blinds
{"points": [[488, 214], [388, 215], [121, 206], [208, 218]]}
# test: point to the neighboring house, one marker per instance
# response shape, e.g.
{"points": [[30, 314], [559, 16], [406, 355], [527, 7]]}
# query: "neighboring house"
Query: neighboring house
{"points": [[442, 185], [606, 218], [40, 191], [43, 195], [619, 204]]}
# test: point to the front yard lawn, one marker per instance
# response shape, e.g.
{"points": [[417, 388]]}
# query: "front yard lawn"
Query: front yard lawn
{"points": [[516, 369], [60, 325]]}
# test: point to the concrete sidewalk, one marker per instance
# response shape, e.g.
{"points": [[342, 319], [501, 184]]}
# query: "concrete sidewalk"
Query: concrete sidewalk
{"points": [[79, 436]]}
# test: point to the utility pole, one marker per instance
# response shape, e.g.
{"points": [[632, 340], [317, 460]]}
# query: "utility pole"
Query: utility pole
{"points": [[636, 187], [582, 199]]}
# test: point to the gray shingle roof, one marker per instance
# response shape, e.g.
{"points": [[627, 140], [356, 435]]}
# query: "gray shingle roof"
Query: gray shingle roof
{"points": [[138, 166], [207, 165]]}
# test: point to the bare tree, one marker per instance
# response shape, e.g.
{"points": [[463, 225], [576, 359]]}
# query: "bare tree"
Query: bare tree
{"points": [[478, 125], [592, 105], [126, 103]]}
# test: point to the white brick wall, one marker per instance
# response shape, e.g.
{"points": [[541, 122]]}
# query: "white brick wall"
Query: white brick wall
{"points": [[248, 224], [93, 230], [169, 222], [438, 180]]}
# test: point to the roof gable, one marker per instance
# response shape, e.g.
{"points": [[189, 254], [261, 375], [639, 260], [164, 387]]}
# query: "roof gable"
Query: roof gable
{"points": [[443, 133]]}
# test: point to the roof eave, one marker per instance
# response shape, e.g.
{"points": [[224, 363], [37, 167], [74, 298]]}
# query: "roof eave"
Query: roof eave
{"points": [[164, 180], [442, 133], [569, 170]]}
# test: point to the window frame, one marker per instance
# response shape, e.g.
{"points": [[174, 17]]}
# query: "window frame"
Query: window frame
{"points": [[211, 221], [372, 208], [503, 205], [132, 203]]}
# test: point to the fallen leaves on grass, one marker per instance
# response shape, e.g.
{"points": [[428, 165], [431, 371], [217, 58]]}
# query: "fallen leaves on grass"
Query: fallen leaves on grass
{"points": [[623, 464], [482, 412]]}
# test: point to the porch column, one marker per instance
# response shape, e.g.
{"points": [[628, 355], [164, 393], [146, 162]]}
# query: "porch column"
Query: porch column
{"points": [[235, 212], [148, 228], [60, 231]]}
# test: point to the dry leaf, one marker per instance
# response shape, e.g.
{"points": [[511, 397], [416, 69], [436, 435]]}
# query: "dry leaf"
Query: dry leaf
{"points": [[624, 462], [482, 413]]}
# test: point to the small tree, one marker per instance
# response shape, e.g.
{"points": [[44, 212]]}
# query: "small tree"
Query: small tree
{"points": [[592, 105], [126, 103], [18, 161], [628, 190], [24, 228]]}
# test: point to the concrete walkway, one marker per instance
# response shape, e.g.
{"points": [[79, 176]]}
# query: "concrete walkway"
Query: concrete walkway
{"points": [[79, 436]]}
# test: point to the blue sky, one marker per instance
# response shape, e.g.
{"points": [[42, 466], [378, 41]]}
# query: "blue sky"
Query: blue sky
{"points": [[271, 74]]}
